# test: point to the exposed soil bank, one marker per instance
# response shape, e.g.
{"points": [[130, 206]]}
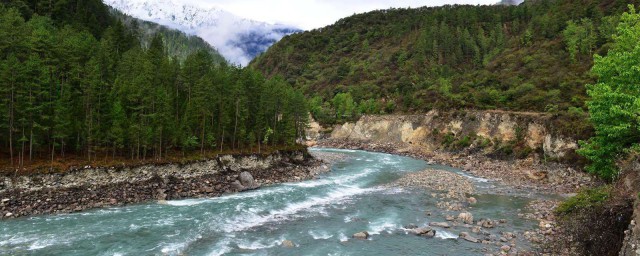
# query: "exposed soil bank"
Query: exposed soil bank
{"points": [[100, 187]]}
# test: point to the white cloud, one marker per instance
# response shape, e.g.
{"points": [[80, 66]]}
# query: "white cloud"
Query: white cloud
{"points": [[310, 14]]}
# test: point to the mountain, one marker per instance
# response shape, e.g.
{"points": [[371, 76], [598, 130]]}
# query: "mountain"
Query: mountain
{"points": [[178, 43], [535, 56], [238, 40]]}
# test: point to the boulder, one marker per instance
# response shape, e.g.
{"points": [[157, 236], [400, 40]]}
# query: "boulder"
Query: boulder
{"points": [[486, 223], [466, 217], [236, 185], [246, 179], [361, 235], [423, 231], [440, 224], [472, 200], [288, 244], [467, 237]]}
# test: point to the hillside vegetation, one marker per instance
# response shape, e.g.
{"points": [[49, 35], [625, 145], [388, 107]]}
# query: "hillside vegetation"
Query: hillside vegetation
{"points": [[77, 83], [177, 43], [532, 57]]}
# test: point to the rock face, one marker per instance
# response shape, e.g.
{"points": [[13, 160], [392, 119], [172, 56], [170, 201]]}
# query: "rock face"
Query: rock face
{"points": [[422, 130], [100, 187], [631, 244]]}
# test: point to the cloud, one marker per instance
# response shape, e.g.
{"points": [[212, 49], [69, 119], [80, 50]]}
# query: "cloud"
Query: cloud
{"points": [[310, 14]]}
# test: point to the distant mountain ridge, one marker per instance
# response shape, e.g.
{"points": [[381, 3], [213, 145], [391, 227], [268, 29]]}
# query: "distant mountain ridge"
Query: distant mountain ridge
{"points": [[239, 40], [177, 43]]}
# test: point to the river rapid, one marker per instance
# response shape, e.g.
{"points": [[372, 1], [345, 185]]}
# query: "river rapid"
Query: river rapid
{"points": [[319, 216]]}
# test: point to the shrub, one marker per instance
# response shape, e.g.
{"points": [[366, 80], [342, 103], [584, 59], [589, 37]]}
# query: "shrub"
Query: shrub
{"points": [[586, 198]]}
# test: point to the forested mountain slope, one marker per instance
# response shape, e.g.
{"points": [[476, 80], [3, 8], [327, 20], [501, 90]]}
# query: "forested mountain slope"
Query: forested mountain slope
{"points": [[75, 83], [177, 43], [532, 57]]}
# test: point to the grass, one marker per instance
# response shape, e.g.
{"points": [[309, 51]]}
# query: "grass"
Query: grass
{"points": [[585, 199]]}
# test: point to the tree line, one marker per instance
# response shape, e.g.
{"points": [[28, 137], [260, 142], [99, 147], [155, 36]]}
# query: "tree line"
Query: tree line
{"points": [[91, 91]]}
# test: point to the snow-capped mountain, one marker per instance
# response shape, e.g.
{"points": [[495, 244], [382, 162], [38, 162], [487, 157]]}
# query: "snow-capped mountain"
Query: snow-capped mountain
{"points": [[239, 40]]}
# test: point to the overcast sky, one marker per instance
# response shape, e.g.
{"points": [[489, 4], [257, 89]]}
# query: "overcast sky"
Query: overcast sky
{"points": [[310, 14]]}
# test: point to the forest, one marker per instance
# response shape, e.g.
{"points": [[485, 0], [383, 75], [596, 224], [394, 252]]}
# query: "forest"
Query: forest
{"points": [[535, 56], [76, 83]]}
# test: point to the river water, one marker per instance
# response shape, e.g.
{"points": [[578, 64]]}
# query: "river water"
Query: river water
{"points": [[319, 216]]}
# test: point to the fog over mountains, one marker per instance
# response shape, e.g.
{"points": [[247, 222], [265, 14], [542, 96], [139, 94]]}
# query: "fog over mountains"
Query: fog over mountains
{"points": [[238, 39]]}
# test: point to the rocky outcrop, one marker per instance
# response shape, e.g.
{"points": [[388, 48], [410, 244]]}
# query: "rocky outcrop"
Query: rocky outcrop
{"points": [[98, 187], [426, 130]]}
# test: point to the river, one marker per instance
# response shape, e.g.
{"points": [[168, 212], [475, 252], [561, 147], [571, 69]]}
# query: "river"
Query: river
{"points": [[319, 216]]}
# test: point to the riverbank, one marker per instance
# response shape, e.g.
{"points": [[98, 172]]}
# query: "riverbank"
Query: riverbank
{"points": [[89, 188], [512, 177]]}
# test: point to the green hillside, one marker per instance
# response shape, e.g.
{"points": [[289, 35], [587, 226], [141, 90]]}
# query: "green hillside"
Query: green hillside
{"points": [[176, 42], [531, 57]]}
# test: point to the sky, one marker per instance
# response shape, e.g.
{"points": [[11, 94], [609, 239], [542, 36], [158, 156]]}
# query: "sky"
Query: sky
{"points": [[311, 14]]}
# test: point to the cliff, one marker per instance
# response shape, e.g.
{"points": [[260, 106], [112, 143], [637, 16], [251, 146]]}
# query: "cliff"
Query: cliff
{"points": [[484, 130]]}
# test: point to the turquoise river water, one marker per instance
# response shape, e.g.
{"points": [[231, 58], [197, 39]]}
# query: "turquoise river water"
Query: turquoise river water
{"points": [[319, 216]]}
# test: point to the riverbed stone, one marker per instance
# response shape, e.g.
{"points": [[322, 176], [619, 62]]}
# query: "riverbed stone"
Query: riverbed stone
{"points": [[466, 217], [423, 231], [440, 224], [288, 244], [361, 235], [469, 238]]}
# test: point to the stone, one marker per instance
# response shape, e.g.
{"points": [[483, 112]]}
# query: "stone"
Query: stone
{"points": [[440, 224], [288, 244], [486, 223], [505, 248], [467, 237], [246, 179], [361, 235], [410, 226], [472, 200], [5, 200], [423, 231], [449, 218], [113, 201], [475, 229], [8, 215], [466, 217], [236, 185]]}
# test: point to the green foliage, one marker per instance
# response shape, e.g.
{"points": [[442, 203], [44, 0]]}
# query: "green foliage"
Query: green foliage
{"points": [[452, 57], [614, 106], [585, 199], [70, 84]]}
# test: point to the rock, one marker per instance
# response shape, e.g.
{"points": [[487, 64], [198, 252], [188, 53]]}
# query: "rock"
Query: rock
{"points": [[505, 248], [8, 215], [246, 179], [113, 201], [361, 235], [449, 218], [466, 217], [236, 185], [288, 244], [503, 239], [423, 231], [486, 223], [467, 237], [475, 229], [5, 200], [440, 224], [410, 226], [472, 200]]}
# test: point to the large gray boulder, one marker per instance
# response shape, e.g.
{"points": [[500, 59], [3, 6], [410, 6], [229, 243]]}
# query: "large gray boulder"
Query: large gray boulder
{"points": [[246, 179]]}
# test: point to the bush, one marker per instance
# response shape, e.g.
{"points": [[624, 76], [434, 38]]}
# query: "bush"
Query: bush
{"points": [[586, 198]]}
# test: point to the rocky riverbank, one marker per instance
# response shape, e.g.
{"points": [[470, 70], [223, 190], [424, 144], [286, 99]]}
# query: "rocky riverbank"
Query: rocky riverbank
{"points": [[519, 176], [104, 187]]}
